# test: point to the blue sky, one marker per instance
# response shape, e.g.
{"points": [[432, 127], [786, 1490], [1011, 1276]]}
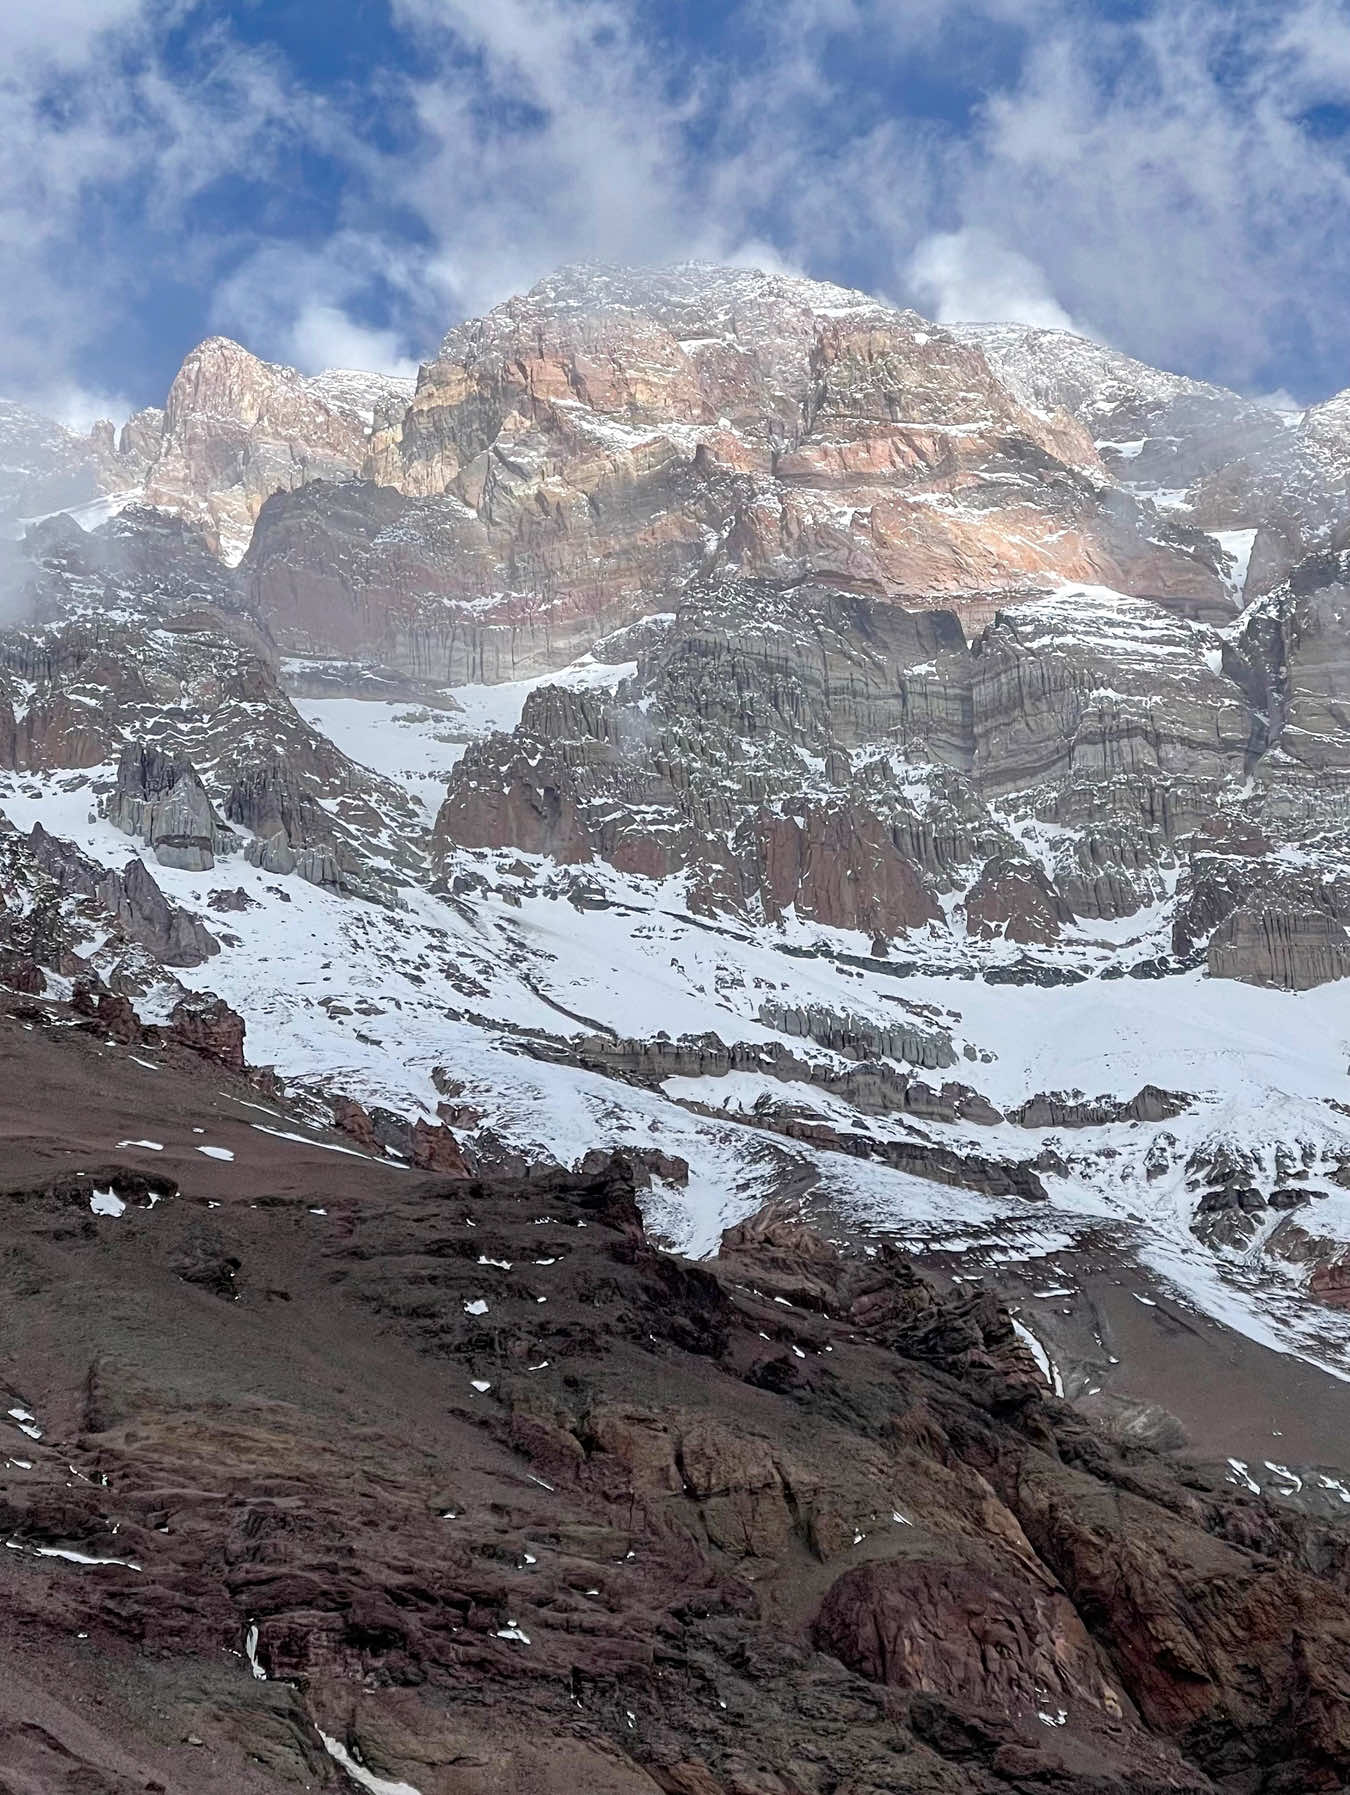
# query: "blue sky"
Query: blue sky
{"points": [[337, 181]]}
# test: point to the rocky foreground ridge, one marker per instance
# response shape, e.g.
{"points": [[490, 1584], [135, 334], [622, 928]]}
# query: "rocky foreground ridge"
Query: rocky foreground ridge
{"points": [[323, 1473]]}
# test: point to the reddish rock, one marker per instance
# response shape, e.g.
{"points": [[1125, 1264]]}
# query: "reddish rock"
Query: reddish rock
{"points": [[435, 1149], [208, 1026], [352, 1118], [992, 1639], [842, 867], [116, 1014], [236, 429], [1014, 899], [19, 973], [1330, 1283]]}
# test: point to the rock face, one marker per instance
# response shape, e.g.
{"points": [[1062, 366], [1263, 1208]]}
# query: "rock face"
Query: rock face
{"points": [[164, 803], [791, 1480], [43, 467], [583, 451], [171, 934], [757, 751], [211, 1028], [1293, 491], [235, 430], [1154, 430], [1272, 944], [136, 647]]}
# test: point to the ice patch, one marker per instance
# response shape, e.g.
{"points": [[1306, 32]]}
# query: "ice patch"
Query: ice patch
{"points": [[1242, 1475], [69, 1556], [1049, 1370], [376, 1785], [303, 1140]]}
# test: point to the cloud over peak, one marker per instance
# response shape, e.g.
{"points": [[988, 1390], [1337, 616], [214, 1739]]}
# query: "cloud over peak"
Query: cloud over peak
{"points": [[1171, 178]]}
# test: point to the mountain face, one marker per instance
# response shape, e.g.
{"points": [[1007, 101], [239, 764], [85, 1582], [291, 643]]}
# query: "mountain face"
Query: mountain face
{"points": [[889, 784], [45, 467]]}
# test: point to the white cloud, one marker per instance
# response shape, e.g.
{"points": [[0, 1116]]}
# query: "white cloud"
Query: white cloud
{"points": [[968, 276], [323, 337], [1160, 173], [63, 31], [103, 153], [1281, 400], [80, 408], [1149, 176]]}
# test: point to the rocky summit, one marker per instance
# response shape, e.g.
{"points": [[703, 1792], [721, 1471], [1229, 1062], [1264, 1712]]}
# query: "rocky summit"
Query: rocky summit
{"points": [[678, 1101]]}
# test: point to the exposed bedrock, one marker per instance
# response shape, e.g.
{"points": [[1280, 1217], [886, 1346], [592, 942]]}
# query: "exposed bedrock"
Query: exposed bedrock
{"points": [[1264, 923], [872, 1086], [165, 804], [171, 934], [858, 1037]]}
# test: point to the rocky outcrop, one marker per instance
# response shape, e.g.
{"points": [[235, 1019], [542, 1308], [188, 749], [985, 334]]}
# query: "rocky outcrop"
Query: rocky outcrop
{"points": [[856, 1037], [1152, 429], [1012, 1645], [1279, 944], [236, 429], [1292, 492], [873, 1087], [291, 831], [1292, 655], [1263, 921], [1014, 900], [1056, 1109], [171, 934], [165, 804], [435, 1149], [208, 1026]]}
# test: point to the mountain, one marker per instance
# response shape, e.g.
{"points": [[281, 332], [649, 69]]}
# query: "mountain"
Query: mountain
{"points": [[44, 467], [890, 784]]}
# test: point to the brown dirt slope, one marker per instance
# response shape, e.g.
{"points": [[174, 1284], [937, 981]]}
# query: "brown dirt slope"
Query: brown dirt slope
{"points": [[415, 1483]]}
